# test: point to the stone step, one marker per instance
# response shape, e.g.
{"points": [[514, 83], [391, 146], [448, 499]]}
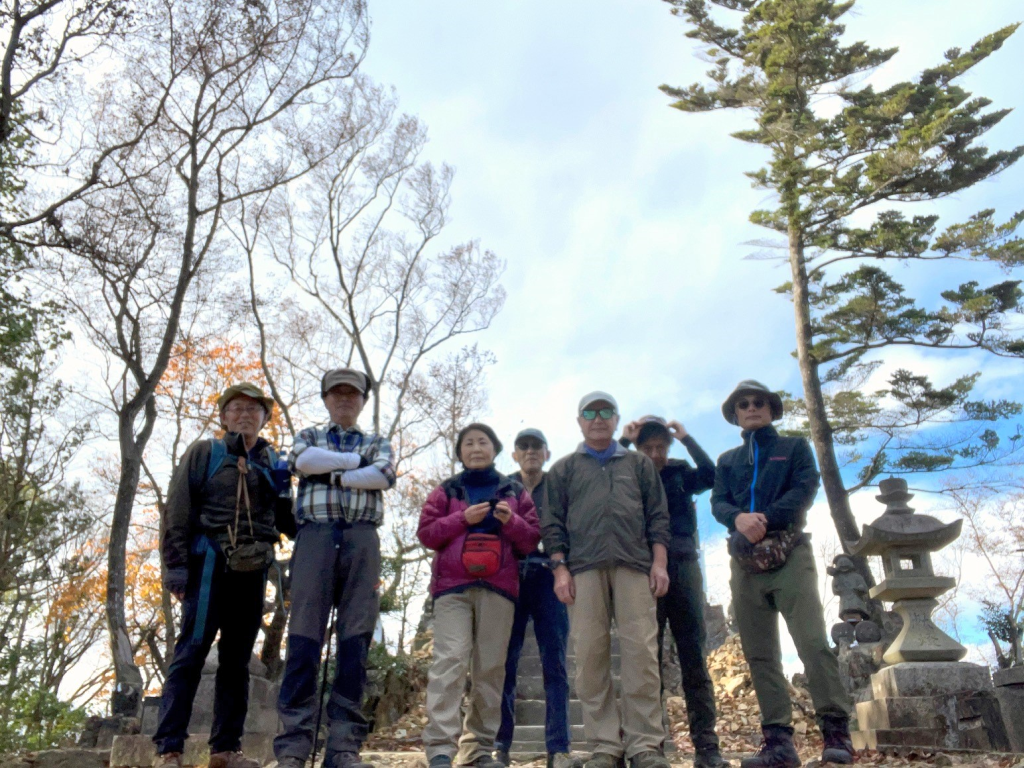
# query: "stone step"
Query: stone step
{"points": [[535, 733], [532, 686], [534, 711], [532, 665], [531, 750], [138, 751]]}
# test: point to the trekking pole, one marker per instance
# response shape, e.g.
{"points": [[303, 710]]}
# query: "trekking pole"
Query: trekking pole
{"points": [[323, 690]]}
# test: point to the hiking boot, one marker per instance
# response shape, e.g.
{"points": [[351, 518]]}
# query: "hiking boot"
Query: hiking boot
{"points": [[348, 759], [835, 731], [232, 760], [649, 759], [502, 756], [440, 761], [168, 760], [709, 758], [290, 762], [485, 761], [776, 751], [603, 760], [564, 760]]}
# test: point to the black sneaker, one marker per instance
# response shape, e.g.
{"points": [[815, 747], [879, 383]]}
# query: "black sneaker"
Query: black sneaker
{"points": [[835, 731], [440, 761], [710, 758], [486, 761], [502, 756], [776, 751]]}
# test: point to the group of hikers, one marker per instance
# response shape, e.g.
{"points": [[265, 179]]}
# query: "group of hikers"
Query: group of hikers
{"points": [[605, 541]]}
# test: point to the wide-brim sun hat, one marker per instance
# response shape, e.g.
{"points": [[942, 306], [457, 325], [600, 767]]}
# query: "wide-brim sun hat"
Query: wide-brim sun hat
{"points": [[751, 387]]}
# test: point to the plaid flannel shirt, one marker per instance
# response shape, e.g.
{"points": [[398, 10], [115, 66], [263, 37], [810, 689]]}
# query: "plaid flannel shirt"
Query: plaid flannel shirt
{"points": [[322, 503]]}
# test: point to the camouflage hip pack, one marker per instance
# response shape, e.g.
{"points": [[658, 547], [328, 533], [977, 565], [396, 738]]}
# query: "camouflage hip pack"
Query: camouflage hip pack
{"points": [[769, 554]]}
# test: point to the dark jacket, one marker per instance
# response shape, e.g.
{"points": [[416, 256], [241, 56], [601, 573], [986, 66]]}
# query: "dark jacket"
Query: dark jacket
{"points": [[197, 506], [538, 495], [603, 517], [682, 482], [787, 480], [443, 528]]}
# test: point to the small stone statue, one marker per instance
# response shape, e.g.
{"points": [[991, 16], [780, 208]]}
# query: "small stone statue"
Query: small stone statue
{"points": [[851, 589]]}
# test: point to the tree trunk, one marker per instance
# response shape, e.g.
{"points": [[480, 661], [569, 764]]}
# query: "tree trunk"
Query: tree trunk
{"points": [[821, 432], [127, 695]]}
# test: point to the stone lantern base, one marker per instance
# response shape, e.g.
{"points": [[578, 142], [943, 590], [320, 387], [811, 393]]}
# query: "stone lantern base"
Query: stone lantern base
{"points": [[937, 706]]}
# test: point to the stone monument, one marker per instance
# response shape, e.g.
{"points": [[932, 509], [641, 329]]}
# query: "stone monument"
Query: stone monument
{"points": [[926, 698]]}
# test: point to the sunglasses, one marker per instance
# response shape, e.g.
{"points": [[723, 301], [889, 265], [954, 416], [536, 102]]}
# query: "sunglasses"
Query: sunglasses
{"points": [[757, 402], [590, 414], [536, 445]]}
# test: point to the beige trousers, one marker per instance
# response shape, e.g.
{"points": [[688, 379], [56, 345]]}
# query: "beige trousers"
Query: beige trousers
{"points": [[624, 595], [471, 631]]}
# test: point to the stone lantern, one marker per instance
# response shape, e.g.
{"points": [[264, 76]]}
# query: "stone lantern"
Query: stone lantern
{"points": [[924, 697], [905, 540]]}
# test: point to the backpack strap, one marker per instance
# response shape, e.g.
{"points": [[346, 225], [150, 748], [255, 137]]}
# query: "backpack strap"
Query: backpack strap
{"points": [[218, 452]]}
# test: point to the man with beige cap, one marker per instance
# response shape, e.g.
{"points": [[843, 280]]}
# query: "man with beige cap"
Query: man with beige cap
{"points": [[606, 528], [227, 501], [343, 472]]}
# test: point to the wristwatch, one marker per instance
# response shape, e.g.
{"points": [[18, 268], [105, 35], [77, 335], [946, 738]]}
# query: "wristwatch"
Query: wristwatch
{"points": [[556, 564]]}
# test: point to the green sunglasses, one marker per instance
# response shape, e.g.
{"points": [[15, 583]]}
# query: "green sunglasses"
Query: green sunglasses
{"points": [[590, 414]]}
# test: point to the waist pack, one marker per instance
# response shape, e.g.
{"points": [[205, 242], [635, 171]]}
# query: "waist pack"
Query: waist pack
{"points": [[481, 555], [769, 554], [250, 555]]}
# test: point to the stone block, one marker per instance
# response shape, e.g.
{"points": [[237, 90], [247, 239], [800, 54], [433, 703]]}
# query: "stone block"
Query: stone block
{"points": [[132, 751], [964, 721], [139, 751], [72, 758], [1011, 676], [913, 678], [14, 762], [1011, 705]]}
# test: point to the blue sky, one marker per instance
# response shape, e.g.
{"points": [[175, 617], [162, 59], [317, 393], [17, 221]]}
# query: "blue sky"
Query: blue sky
{"points": [[624, 222]]}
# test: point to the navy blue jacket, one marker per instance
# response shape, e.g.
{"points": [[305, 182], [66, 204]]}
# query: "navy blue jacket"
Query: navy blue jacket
{"points": [[786, 481]]}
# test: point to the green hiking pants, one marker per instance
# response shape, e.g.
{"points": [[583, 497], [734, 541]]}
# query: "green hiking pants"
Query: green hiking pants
{"points": [[792, 590]]}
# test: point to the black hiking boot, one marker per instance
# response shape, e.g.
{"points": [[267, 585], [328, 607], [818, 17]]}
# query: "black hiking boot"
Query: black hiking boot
{"points": [[838, 747], [709, 758], [776, 751], [348, 759]]}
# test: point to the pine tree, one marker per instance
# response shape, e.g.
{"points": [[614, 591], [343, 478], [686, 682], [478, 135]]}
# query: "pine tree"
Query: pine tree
{"points": [[838, 155]]}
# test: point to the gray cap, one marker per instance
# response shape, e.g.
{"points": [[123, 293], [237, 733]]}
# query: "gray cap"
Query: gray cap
{"points": [[530, 432], [596, 396], [751, 387], [349, 376]]}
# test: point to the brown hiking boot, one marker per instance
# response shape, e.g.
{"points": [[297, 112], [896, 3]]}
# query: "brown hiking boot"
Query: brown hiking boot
{"points": [[232, 760], [168, 760]]}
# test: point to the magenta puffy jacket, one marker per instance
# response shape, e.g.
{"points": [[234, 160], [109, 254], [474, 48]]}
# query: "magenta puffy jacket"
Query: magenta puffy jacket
{"points": [[443, 529]]}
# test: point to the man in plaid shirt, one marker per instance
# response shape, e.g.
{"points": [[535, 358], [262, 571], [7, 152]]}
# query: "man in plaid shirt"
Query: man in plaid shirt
{"points": [[343, 472]]}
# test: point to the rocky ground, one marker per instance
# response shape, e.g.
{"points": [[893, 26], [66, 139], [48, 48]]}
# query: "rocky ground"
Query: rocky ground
{"points": [[399, 745]]}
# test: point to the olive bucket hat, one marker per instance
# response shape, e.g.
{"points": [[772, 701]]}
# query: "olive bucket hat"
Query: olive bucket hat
{"points": [[751, 387], [249, 390]]}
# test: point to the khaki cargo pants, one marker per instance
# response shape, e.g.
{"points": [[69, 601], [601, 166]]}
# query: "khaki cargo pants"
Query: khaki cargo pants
{"points": [[792, 590], [471, 631], [622, 594]]}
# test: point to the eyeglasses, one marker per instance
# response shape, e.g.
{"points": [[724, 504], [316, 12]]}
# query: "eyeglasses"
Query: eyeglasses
{"points": [[244, 409], [757, 402], [590, 414]]}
